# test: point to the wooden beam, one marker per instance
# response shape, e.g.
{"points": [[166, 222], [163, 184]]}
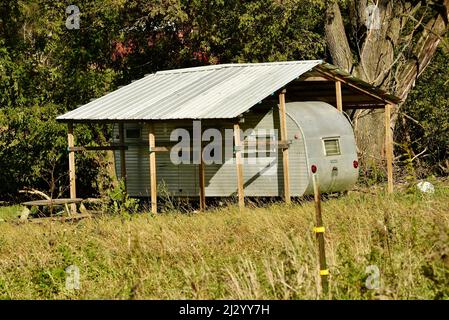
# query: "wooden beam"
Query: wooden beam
{"points": [[338, 96], [279, 144], [72, 169], [97, 148], [162, 149], [283, 127], [338, 78], [123, 174], [239, 165], [153, 180], [202, 182], [315, 78], [270, 144], [389, 148]]}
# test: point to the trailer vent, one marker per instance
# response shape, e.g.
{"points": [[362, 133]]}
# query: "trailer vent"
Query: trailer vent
{"points": [[332, 146]]}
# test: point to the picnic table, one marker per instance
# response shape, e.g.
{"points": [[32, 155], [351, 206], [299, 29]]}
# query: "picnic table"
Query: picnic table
{"points": [[48, 203]]}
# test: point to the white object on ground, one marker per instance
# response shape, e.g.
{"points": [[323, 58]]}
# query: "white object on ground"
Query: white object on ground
{"points": [[426, 187]]}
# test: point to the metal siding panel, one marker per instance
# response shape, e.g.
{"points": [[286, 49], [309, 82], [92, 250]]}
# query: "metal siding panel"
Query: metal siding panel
{"points": [[307, 123], [221, 179], [257, 181], [172, 178]]}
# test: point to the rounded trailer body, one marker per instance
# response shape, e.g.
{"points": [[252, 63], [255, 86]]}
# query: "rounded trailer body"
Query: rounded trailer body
{"points": [[319, 136], [329, 145]]}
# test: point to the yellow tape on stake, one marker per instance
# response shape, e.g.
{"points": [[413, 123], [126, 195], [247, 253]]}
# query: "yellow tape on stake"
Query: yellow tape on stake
{"points": [[319, 229], [324, 272]]}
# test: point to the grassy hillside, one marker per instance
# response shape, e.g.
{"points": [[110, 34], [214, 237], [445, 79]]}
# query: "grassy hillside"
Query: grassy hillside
{"points": [[266, 253]]}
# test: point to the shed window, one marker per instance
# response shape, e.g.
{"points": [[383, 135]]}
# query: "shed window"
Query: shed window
{"points": [[132, 133], [332, 146], [260, 142]]}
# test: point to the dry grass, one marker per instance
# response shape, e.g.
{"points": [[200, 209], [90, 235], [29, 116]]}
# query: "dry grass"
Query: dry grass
{"points": [[260, 253]]}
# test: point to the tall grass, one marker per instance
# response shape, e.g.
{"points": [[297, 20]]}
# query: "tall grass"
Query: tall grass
{"points": [[259, 253]]}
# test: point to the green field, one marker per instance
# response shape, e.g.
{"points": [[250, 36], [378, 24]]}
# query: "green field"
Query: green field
{"points": [[260, 253]]}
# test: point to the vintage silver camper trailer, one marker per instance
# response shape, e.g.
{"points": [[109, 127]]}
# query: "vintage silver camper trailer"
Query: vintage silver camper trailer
{"points": [[296, 110], [320, 138]]}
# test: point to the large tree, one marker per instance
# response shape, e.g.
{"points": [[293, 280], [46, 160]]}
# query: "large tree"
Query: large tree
{"points": [[391, 52], [46, 69]]}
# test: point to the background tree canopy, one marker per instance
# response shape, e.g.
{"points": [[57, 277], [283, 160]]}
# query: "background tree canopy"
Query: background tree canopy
{"points": [[46, 69]]}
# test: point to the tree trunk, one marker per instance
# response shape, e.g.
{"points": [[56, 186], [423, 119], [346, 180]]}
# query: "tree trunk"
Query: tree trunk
{"points": [[336, 39], [391, 55]]}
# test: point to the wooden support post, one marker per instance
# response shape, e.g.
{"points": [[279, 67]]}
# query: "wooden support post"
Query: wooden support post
{"points": [[72, 169], [283, 126], [153, 180], [338, 96], [239, 164], [319, 231], [389, 147], [202, 182], [123, 174]]}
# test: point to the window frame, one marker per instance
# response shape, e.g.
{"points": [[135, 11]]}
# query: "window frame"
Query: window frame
{"points": [[325, 150], [133, 129]]}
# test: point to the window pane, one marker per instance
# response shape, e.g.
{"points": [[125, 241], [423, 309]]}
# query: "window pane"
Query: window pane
{"points": [[332, 147], [132, 133]]}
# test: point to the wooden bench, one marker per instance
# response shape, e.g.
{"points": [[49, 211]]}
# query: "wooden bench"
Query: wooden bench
{"points": [[48, 203]]}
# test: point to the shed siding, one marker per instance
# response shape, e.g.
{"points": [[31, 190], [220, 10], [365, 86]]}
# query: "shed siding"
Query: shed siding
{"points": [[307, 124], [221, 179]]}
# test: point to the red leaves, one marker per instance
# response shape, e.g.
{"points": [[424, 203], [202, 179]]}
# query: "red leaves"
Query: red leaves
{"points": [[122, 49], [200, 56]]}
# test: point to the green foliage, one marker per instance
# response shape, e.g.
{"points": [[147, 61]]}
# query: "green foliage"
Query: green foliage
{"points": [[437, 267], [370, 173], [179, 33], [257, 31], [423, 127], [119, 202], [46, 70], [9, 213], [49, 282], [33, 152], [31, 147], [11, 76]]}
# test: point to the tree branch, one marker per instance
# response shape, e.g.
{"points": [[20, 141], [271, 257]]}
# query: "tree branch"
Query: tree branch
{"points": [[36, 192], [424, 50]]}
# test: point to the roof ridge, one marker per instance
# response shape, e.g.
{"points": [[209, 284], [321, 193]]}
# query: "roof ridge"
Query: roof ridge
{"points": [[228, 65]]}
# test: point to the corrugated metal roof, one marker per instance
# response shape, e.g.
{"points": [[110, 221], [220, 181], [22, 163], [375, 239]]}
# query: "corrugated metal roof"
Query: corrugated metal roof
{"points": [[218, 91], [210, 92]]}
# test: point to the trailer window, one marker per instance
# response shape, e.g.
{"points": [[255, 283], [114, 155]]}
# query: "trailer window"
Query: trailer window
{"points": [[332, 146]]}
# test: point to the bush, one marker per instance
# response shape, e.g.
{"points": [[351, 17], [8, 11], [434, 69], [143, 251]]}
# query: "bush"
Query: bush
{"points": [[33, 153]]}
